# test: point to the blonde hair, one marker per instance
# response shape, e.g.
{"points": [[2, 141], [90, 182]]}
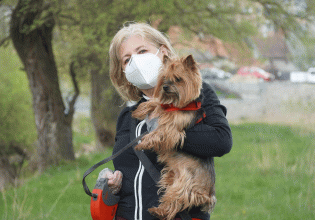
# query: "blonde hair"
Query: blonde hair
{"points": [[128, 91]]}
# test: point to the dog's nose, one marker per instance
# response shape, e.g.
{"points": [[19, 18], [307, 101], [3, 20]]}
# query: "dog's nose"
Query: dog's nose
{"points": [[165, 88]]}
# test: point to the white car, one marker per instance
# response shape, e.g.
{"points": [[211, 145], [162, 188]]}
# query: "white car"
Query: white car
{"points": [[214, 73], [303, 77]]}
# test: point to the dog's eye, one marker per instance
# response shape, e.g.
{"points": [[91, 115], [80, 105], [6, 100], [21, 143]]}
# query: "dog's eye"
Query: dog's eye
{"points": [[177, 79]]}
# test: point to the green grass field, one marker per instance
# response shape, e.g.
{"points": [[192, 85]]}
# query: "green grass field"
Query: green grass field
{"points": [[269, 174]]}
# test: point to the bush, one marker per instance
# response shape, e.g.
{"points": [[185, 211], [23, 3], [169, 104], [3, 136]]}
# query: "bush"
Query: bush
{"points": [[16, 113]]}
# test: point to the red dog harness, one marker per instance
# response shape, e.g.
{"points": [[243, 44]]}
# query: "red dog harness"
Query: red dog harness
{"points": [[193, 106]]}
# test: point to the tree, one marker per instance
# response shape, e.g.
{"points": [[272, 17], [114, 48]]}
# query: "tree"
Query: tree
{"points": [[230, 20], [32, 24], [32, 27]]}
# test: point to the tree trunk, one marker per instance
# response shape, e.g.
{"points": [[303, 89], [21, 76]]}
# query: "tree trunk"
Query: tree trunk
{"points": [[34, 46]]}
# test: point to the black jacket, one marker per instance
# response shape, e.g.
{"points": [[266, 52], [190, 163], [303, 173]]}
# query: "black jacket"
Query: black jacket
{"points": [[210, 138]]}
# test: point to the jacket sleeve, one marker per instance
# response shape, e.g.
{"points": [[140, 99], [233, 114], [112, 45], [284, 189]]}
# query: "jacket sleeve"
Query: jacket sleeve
{"points": [[212, 137], [123, 122]]}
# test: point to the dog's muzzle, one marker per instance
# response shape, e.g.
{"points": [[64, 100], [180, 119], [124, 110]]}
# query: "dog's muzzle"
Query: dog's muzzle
{"points": [[166, 88]]}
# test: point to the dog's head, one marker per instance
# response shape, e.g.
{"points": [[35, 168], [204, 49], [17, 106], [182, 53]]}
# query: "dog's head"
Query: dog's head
{"points": [[179, 83]]}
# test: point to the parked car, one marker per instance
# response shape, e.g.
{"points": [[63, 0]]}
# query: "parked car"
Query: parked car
{"points": [[256, 72], [214, 73], [303, 77]]}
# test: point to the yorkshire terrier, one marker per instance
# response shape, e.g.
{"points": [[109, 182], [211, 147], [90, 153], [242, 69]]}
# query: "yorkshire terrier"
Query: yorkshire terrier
{"points": [[186, 181]]}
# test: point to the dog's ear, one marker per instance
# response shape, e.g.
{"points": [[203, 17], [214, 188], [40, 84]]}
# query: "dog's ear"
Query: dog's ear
{"points": [[166, 59], [190, 62]]}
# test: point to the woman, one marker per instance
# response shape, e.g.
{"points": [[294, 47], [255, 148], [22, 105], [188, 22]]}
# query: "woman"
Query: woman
{"points": [[133, 70]]}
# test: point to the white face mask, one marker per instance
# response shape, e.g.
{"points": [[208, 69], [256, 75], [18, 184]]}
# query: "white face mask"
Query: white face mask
{"points": [[143, 70]]}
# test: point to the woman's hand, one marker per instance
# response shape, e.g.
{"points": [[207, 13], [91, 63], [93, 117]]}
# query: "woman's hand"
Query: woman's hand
{"points": [[114, 179]]}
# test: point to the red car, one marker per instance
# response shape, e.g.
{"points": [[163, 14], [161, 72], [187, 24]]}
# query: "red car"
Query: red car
{"points": [[255, 71]]}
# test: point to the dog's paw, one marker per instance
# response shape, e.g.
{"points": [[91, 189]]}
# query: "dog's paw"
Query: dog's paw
{"points": [[139, 147], [144, 145], [157, 212], [140, 115], [213, 201]]}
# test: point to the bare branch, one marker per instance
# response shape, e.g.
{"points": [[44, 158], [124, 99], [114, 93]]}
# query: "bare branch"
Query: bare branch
{"points": [[76, 89]]}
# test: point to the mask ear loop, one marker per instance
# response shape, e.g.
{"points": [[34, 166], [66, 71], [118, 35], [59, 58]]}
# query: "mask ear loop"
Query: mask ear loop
{"points": [[157, 51]]}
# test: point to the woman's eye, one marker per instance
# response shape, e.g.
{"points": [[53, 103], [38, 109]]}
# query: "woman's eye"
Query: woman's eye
{"points": [[142, 51], [126, 61]]}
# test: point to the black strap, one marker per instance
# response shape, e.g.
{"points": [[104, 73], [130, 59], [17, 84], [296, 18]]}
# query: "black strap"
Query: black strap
{"points": [[150, 168], [90, 170], [148, 165]]}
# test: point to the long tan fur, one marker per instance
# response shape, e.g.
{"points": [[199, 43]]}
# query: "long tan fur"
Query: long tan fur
{"points": [[186, 181]]}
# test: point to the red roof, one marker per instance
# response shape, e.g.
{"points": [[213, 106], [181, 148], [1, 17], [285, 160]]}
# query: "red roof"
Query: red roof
{"points": [[238, 53]]}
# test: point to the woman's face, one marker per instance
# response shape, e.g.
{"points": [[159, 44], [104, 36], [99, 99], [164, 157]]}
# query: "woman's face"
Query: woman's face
{"points": [[137, 45]]}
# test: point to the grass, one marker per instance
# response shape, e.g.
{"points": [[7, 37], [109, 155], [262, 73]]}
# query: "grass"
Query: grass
{"points": [[57, 194], [269, 174], [226, 95], [83, 134]]}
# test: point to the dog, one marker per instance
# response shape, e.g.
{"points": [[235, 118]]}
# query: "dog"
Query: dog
{"points": [[186, 181]]}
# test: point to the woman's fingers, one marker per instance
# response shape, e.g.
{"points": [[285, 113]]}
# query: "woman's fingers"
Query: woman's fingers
{"points": [[114, 181], [118, 176]]}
